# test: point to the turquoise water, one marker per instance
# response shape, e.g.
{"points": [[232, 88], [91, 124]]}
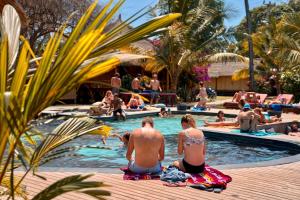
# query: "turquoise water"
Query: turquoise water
{"points": [[219, 151]]}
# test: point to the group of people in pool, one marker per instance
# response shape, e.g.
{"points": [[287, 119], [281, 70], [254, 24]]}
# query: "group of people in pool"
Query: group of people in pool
{"points": [[149, 147], [247, 119]]}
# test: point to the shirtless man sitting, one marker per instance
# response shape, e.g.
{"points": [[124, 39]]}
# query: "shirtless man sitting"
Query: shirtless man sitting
{"points": [[149, 148], [247, 119]]}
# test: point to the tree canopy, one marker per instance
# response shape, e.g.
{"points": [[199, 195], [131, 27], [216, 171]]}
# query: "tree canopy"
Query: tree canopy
{"points": [[46, 16]]}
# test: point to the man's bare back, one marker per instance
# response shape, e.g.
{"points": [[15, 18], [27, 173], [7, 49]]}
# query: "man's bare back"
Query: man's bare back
{"points": [[148, 144]]}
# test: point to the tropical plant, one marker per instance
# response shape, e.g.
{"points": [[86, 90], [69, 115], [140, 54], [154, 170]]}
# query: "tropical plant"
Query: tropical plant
{"points": [[185, 43], [277, 45], [29, 84]]}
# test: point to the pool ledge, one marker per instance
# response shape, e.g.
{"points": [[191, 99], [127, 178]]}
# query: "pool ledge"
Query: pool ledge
{"points": [[281, 161]]}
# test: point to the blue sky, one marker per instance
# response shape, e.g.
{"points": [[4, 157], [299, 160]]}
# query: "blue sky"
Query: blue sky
{"points": [[131, 6]]}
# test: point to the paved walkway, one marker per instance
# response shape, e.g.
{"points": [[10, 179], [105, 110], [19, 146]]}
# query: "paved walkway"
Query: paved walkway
{"points": [[275, 182]]}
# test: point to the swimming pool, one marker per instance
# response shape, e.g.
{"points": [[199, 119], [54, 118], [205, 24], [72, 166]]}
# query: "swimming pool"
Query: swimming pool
{"points": [[219, 151]]}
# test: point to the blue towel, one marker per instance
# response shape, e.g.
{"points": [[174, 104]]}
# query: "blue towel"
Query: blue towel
{"points": [[197, 109], [257, 133], [172, 174]]}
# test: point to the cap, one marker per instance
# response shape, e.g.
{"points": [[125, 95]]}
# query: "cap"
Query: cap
{"points": [[247, 106]]}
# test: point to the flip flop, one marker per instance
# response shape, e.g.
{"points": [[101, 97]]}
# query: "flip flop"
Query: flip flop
{"points": [[199, 186], [175, 184], [218, 190]]}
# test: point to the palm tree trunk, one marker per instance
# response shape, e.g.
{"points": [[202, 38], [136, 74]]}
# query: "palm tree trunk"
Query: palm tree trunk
{"points": [[250, 44], [168, 81], [174, 83]]}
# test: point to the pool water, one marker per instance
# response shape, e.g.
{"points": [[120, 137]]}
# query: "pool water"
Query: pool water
{"points": [[219, 151]]}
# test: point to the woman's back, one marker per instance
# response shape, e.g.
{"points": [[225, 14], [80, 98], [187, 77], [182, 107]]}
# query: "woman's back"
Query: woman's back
{"points": [[194, 146]]}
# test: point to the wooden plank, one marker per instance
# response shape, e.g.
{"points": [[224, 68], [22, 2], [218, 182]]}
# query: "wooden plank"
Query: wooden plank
{"points": [[274, 182]]}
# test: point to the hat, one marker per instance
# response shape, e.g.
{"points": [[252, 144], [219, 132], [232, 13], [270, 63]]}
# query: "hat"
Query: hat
{"points": [[247, 106]]}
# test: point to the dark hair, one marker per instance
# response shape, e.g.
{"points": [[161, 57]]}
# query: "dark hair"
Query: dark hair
{"points": [[148, 120], [162, 109], [220, 112], [117, 74], [126, 136], [242, 102], [201, 83]]}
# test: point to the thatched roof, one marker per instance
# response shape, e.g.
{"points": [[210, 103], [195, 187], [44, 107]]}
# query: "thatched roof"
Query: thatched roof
{"points": [[226, 69], [144, 44]]}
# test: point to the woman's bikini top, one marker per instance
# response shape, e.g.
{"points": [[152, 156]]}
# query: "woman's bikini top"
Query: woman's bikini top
{"points": [[191, 140]]}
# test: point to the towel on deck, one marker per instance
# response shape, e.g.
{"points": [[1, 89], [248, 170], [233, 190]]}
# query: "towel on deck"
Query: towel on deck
{"points": [[269, 132], [172, 174], [129, 175], [211, 178]]}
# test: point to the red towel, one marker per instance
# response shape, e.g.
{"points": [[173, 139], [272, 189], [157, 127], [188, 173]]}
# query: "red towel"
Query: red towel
{"points": [[210, 178]]}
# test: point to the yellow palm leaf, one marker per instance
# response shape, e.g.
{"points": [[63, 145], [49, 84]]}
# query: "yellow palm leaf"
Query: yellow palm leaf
{"points": [[103, 130], [240, 74]]}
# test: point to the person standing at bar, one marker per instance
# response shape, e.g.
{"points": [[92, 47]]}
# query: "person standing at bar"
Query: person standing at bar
{"points": [[116, 83]]}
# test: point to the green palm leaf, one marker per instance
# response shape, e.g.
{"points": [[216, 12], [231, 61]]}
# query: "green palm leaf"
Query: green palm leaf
{"points": [[64, 133], [74, 183]]}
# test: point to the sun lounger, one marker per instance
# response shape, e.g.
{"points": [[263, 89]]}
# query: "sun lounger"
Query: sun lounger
{"points": [[288, 98], [234, 105]]}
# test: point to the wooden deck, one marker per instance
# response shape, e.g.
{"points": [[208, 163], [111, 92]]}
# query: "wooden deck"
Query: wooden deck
{"points": [[275, 182]]}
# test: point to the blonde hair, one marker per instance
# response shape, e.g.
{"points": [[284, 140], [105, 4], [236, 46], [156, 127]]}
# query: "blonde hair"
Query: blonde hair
{"points": [[189, 119], [148, 120]]}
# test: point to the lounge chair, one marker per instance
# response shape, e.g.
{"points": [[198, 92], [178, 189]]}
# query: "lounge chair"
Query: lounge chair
{"points": [[234, 105], [288, 98]]}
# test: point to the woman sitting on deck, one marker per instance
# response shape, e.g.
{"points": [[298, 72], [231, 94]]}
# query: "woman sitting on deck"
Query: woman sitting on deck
{"points": [[238, 96], [191, 143], [100, 108], [135, 102]]}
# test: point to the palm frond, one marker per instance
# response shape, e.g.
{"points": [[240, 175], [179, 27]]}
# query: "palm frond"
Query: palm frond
{"points": [[12, 27], [240, 74], [67, 131], [74, 183], [19, 191]]}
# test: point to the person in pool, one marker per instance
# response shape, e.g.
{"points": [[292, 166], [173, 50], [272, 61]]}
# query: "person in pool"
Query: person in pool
{"points": [[149, 147], [163, 113], [262, 119], [293, 129], [220, 121], [191, 143], [220, 116], [124, 138]]}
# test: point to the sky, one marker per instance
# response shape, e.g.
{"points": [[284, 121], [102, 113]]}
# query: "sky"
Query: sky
{"points": [[132, 6]]}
